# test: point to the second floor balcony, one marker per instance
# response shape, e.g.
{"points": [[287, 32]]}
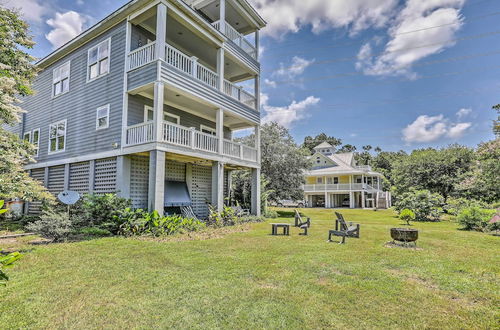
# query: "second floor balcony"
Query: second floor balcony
{"points": [[191, 66], [321, 187]]}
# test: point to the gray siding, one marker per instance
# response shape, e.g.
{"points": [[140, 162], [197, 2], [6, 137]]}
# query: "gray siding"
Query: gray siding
{"points": [[136, 115], [142, 76], [79, 105], [139, 37]]}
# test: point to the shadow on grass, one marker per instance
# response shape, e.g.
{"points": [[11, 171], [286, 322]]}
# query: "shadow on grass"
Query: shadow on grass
{"points": [[286, 214]]}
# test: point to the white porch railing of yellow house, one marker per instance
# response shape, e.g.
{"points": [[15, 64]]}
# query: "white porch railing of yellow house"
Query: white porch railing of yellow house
{"points": [[189, 138], [189, 65], [335, 187]]}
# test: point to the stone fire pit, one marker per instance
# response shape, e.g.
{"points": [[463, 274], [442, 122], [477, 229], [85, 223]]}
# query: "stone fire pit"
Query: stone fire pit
{"points": [[405, 235]]}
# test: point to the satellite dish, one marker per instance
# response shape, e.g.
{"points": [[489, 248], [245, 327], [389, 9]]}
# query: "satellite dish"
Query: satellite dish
{"points": [[68, 197]]}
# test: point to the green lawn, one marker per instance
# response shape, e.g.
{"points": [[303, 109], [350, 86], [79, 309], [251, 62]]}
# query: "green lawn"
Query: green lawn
{"points": [[253, 280]]}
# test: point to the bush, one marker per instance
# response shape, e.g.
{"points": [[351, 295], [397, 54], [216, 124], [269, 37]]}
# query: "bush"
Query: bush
{"points": [[52, 225], [225, 218], [271, 214], [99, 211], [7, 261], [453, 206], [475, 218], [407, 215], [138, 222], [427, 206]]}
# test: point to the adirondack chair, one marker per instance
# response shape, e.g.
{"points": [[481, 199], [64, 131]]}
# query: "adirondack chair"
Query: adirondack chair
{"points": [[304, 225], [239, 211], [343, 229]]}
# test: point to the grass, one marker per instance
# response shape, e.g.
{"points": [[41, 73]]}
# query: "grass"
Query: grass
{"points": [[249, 279]]}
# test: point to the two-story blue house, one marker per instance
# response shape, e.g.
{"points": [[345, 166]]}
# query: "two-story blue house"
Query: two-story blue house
{"points": [[146, 101]]}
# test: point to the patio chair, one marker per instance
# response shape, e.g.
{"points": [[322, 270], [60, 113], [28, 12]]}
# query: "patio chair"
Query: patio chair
{"points": [[239, 211], [304, 225], [343, 229]]}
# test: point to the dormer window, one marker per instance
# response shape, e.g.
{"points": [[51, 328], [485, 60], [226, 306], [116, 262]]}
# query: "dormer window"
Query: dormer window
{"points": [[60, 79], [98, 60]]}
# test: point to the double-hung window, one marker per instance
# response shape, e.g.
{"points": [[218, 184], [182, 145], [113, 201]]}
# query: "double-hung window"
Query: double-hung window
{"points": [[98, 60], [168, 117], [60, 79], [208, 130], [33, 137], [57, 136], [102, 117]]}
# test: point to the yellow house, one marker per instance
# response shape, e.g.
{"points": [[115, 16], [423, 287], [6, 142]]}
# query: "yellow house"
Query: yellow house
{"points": [[335, 180]]}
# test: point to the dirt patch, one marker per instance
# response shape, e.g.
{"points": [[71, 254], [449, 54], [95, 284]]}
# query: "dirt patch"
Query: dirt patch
{"points": [[393, 245]]}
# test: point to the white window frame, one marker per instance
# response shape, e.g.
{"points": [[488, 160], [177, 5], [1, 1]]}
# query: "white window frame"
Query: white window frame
{"points": [[319, 180], [37, 142], [212, 131], [148, 108], [99, 75], [104, 107], [54, 81], [28, 134], [65, 121]]}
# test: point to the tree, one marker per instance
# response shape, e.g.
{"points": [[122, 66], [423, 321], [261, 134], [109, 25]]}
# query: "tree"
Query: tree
{"points": [[310, 142], [482, 181], [364, 158], [439, 171], [384, 163], [282, 166], [496, 122], [16, 75], [347, 148]]}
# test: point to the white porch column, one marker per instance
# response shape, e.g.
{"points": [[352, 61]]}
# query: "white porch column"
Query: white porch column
{"points": [[220, 68], [219, 129], [351, 200], [363, 199], [257, 44], [161, 30], [123, 166], [257, 93], [156, 181], [255, 191], [158, 111], [222, 15], [218, 186], [378, 183]]}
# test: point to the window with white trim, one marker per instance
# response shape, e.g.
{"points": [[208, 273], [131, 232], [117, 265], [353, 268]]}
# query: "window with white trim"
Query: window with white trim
{"points": [[319, 180], [60, 79], [27, 137], [35, 140], [98, 60], [102, 117], [57, 136], [168, 117], [208, 130]]}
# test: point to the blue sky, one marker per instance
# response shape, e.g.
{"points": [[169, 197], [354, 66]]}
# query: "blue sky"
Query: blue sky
{"points": [[390, 73]]}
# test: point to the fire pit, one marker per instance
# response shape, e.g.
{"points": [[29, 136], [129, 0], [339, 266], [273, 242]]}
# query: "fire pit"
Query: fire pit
{"points": [[405, 235]]}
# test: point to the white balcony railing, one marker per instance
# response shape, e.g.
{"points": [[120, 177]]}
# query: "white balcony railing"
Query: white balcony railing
{"points": [[141, 56], [334, 187], [190, 138], [190, 66], [239, 39]]}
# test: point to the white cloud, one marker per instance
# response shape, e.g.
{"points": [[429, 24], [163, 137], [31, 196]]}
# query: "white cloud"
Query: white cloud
{"points": [[458, 130], [402, 50], [464, 112], [65, 26], [298, 66], [284, 16], [270, 83], [31, 10], [431, 128], [286, 115]]}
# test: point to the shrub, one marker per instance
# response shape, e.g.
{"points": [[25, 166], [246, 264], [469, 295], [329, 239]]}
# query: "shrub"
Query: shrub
{"points": [[100, 211], [453, 206], [407, 215], [138, 222], [225, 218], [475, 218], [427, 206], [52, 225], [271, 214]]}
